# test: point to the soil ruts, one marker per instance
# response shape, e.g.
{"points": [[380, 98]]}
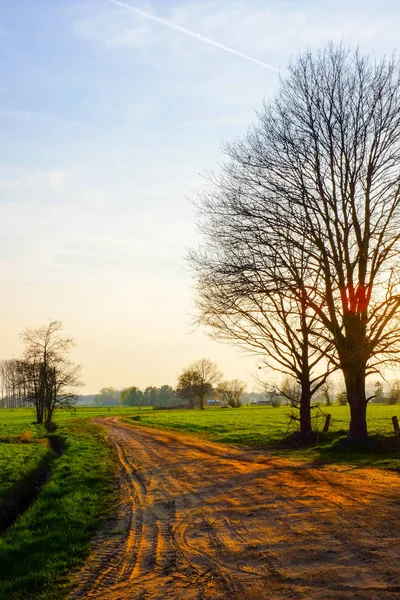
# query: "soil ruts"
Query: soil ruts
{"points": [[197, 520]]}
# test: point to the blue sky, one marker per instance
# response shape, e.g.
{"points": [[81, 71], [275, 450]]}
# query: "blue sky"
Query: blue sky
{"points": [[107, 120]]}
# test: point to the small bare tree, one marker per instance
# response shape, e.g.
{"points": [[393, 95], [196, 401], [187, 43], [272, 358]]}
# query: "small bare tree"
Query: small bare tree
{"points": [[290, 389], [231, 392], [394, 392], [327, 392], [197, 381], [50, 376]]}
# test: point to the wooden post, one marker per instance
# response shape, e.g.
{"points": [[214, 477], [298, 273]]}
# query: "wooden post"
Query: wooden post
{"points": [[327, 422], [396, 427]]}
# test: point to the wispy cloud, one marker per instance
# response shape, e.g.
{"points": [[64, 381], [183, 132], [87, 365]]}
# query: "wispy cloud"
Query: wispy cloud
{"points": [[193, 34], [35, 178]]}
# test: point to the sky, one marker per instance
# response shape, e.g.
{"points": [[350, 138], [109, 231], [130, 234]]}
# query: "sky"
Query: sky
{"points": [[110, 113]]}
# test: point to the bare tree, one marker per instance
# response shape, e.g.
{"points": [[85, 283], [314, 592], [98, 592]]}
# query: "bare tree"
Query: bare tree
{"points": [[323, 165], [197, 381], [50, 376], [231, 392], [327, 392], [394, 392], [251, 291], [290, 389]]}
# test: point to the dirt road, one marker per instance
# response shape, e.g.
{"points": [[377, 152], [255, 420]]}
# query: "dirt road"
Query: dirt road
{"points": [[203, 521]]}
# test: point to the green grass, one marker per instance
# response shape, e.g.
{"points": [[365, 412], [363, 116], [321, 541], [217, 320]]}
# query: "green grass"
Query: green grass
{"points": [[21, 467], [52, 537], [266, 428], [13, 422], [21, 463], [17, 463]]}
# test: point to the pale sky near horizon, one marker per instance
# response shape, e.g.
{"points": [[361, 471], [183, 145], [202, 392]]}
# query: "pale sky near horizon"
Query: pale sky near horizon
{"points": [[108, 118]]}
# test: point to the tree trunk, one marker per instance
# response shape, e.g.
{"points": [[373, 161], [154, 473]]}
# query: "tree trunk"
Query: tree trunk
{"points": [[202, 402], [49, 418], [305, 410], [355, 387], [358, 425], [305, 400], [39, 410]]}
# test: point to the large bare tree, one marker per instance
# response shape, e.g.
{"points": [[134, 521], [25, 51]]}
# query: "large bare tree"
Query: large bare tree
{"points": [[322, 164]]}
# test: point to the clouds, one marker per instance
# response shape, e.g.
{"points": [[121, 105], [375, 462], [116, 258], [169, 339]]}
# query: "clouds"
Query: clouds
{"points": [[33, 179], [56, 219]]}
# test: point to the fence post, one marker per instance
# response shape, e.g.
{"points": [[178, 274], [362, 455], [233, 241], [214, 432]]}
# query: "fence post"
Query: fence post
{"points": [[327, 422]]}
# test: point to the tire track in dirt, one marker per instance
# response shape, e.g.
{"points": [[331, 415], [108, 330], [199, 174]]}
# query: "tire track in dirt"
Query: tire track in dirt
{"points": [[201, 521]]}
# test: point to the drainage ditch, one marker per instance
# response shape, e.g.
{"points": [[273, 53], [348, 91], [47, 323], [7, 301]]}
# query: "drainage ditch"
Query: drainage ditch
{"points": [[28, 490]]}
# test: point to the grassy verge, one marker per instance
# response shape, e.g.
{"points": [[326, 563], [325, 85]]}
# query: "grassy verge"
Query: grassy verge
{"points": [[267, 428], [22, 466], [52, 537]]}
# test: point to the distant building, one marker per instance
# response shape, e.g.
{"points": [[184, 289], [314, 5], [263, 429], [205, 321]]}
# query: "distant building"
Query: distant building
{"points": [[261, 403], [211, 402]]}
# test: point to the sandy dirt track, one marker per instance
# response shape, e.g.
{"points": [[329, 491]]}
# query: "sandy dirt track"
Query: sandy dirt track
{"points": [[198, 520]]}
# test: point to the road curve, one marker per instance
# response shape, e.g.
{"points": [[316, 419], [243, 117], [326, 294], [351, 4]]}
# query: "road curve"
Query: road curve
{"points": [[201, 521]]}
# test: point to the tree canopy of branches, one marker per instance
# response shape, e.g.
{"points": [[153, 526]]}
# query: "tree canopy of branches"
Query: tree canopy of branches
{"points": [[231, 392], [197, 381], [50, 376], [316, 182]]}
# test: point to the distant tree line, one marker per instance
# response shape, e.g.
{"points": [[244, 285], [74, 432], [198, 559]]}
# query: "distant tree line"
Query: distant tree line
{"points": [[134, 396], [14, 386], [198, 384], [201, 384]]}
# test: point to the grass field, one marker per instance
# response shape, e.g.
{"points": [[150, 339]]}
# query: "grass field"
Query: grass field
{"points": [[259, 425], [266, 427]]}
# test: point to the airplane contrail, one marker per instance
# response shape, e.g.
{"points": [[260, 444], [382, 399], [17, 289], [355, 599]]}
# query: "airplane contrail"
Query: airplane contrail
{"points": [[193, 34]]}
